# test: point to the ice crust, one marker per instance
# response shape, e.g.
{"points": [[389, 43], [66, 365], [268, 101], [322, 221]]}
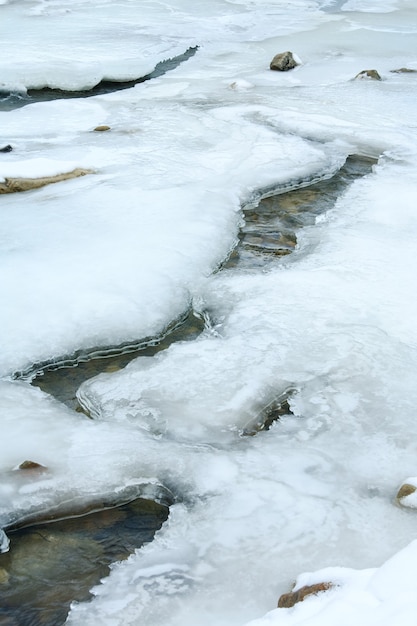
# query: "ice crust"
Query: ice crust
{"points": [[116, 256]]}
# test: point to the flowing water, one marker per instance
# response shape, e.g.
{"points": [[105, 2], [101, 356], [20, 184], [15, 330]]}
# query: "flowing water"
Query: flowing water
{"points": [[51, 565]]}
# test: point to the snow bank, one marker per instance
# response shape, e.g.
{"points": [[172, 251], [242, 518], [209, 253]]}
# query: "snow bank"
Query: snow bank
{"points": [[375, 597], [35, 168]]}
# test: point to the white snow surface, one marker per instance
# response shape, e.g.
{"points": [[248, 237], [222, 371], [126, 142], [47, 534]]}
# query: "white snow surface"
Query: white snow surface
{"points": [[118, 255], [376, 597], [36, 168]]}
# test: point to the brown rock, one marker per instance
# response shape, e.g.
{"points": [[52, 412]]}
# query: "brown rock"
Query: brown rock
{"points": [[12, 185], [288, 600], [102, 128], [372, 74], [405, 490], [31, 465], [283, 62]]}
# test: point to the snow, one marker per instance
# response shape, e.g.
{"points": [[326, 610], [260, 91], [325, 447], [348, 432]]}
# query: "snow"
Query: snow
{"points": [[193, 214], [379, 597], [117, 256], [35, 168]]}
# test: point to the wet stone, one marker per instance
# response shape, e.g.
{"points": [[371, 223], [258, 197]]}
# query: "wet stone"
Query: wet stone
{"points": [[7, 148]]}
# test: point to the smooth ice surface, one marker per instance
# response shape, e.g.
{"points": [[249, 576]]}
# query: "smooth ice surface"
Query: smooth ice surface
{"points": [[116, 256]]}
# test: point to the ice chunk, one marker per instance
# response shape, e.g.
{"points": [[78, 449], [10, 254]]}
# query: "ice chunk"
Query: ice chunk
{"points": [[4, 542]]}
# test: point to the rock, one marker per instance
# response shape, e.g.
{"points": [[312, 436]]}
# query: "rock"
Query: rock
{"points": [[403, 70], [288, 600], [32, 465], [283, 62], [102, 128], [406, 490], [12, 185], [7, 148], [4, 576], [372, 74]]}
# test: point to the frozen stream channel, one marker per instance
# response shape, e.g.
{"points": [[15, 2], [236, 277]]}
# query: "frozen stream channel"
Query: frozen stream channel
{"points": [[39, 583], [323, 338]]}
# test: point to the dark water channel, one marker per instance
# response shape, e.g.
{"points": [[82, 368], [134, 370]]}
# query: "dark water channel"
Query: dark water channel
{"points": [[270, 229], [50, 565], [62, 381], [13, 100]]}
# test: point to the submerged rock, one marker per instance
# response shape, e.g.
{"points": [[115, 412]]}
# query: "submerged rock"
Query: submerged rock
{"points": [[288, 600], [283, 62], [12, 185], [404, 70], [4, 576], [372, 74]]}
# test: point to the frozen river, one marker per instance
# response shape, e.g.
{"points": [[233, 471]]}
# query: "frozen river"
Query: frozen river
{"points": [[146, 237]]}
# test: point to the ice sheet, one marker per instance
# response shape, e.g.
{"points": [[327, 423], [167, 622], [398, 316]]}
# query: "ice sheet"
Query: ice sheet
{"points": [[158, 213], [327, 324]]}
